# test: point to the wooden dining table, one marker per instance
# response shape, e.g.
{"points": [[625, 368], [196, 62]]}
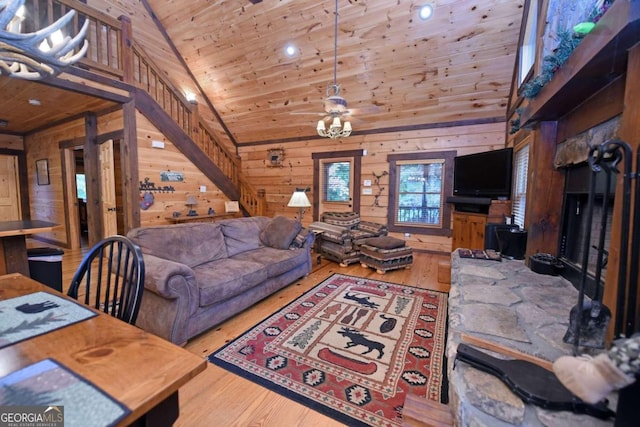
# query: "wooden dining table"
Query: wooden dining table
{"points": [[13, 243], [140, 370]]}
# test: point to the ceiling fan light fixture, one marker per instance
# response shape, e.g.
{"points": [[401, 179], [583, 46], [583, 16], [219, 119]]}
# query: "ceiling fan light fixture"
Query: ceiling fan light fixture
{"points": [[338, 103], [336, 129]]}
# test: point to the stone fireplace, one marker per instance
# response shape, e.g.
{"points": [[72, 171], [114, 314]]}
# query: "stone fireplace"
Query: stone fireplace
{"points": [[506, 304], [571, 157]]}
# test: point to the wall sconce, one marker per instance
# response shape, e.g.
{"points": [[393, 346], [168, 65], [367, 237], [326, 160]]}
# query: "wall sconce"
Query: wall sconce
{"points": [[299, 200], [190, 97]]}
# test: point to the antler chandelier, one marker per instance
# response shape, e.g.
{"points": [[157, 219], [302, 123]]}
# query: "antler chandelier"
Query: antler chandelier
{"points": [[333, 93], [37, 55]]}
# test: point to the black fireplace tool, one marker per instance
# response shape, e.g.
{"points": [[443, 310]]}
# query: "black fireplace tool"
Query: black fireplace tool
{"points": [[532, 383], [589, 320], [626, 321]]}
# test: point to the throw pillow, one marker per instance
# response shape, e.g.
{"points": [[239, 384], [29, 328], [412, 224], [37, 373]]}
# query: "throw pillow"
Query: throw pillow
{"points": [[300, 238], [280, 232]]}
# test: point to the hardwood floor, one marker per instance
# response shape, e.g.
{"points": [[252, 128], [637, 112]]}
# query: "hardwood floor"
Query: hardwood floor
{"points": [[218, 397]]}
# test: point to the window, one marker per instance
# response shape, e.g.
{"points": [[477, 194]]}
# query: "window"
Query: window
{"points": [[527, 52], [81, 186], [335, 174], [419, 200], [336, 181], [519, 193], [419, 185]]}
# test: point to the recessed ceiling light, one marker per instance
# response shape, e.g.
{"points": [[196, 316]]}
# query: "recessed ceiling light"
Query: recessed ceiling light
{"points": [[34, 101], [426, 12], [290, 50]]}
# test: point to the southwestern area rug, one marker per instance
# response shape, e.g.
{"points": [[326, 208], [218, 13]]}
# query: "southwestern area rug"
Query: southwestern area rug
{"points": [[350, 348]]}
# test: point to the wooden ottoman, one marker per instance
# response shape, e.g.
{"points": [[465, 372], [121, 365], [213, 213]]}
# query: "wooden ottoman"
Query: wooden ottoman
{"points": [[385, 253]]}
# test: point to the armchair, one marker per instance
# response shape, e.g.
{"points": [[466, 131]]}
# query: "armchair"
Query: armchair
{"points": [[340, 235]]}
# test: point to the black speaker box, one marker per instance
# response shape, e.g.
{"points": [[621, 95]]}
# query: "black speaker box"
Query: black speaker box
{"points": [[490, 237]]}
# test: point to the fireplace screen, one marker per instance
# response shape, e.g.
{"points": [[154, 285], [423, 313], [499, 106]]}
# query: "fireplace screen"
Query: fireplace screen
{"points": [[575, 226]]}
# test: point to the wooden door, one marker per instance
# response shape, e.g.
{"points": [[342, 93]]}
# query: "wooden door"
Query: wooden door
{"points": [[9, 189], [108, 190], [71, 197]]}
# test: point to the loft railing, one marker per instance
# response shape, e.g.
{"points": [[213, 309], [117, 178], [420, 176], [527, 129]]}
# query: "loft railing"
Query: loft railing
{"points": [[106, 54], [104, 34]]}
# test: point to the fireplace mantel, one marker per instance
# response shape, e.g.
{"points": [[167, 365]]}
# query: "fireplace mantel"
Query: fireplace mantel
{"points": [[600, 59]]}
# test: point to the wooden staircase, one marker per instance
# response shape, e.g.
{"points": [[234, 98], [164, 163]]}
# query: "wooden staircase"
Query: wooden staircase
{"points": [[113, 52]]}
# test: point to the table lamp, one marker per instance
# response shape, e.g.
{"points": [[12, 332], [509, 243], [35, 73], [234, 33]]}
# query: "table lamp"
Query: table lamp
{"points": [[191, 201], [299, 200]]}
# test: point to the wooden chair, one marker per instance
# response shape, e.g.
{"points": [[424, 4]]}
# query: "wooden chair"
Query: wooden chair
{"points": [[111, 278]]}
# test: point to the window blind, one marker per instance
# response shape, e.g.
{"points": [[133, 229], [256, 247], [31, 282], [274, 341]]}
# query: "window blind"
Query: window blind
{"points": [[336, 186], [519, 198]]}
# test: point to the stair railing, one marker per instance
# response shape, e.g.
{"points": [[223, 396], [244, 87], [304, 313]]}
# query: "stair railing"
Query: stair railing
{"points": [[109, 53]]}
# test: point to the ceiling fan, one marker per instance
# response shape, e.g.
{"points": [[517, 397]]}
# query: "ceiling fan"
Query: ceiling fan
{"points": [[334, 105]]}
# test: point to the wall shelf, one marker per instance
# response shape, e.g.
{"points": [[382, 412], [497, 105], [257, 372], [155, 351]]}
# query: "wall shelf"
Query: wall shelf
{"points": [[597, 61]]}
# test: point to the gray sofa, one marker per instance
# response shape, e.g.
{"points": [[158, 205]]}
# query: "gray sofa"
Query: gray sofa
{"points": [[200, 274]]}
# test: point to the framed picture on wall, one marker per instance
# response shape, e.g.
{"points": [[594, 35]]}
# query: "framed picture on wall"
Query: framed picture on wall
{"points": [[42, 172], [275, 157], [232, 206]]}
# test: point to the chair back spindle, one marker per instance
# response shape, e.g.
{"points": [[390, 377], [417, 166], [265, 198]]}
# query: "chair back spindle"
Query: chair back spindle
{"points": [[111, 276]]}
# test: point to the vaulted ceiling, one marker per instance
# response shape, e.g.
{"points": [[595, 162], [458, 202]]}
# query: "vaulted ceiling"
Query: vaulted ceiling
{"points": [[395, 69]]}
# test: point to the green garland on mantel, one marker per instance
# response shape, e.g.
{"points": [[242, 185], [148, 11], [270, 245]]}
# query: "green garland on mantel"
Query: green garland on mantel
{"points": [[551, 63], [569, 40]]}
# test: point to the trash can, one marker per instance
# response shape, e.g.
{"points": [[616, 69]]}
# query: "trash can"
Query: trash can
{"points": [[45, 266]]}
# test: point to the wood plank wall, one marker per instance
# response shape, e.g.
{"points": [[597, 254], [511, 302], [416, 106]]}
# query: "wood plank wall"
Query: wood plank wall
{"points": [[47, 203], [152, 161], [12, 142], [297, 170]]}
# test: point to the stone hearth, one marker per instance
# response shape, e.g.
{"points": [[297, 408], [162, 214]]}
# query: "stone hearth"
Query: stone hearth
{"points": [[508, 304]]}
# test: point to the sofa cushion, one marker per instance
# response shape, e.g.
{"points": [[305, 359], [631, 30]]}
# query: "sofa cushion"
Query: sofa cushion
{"points": [[243, 234], [191, 244], [222, 279], [275, 261], [386, 242], [280, 232]]}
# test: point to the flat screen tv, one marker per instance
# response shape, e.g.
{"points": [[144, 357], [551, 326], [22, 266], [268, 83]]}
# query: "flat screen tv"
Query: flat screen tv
{"points": [[486, 174]]}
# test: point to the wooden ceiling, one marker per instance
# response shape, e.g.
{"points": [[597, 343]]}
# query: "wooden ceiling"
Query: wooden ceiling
{"points": [[456, 66], [400, 72], [29, 105]]}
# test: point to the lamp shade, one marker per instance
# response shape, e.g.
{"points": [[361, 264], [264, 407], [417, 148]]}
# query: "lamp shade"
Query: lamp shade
{"points": [[299, 200], [320, 125], [191, 200]]}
